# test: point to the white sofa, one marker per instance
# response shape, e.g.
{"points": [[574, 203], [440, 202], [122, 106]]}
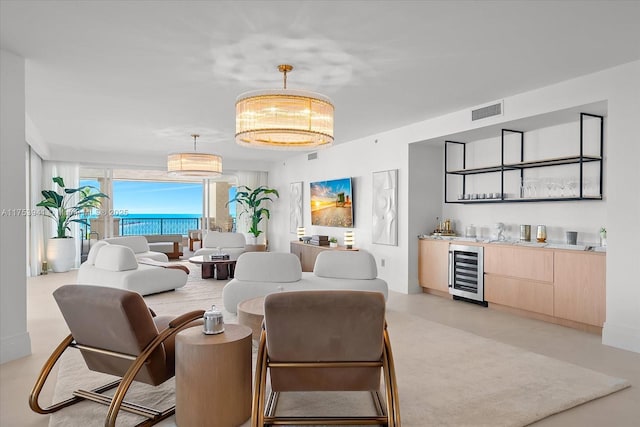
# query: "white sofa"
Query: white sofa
{"points": [[261, 273], [116, 266], [233, 244], [139, 245]]}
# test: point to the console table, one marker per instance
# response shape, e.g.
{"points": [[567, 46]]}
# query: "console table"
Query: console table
{"points": [[308, 253]]}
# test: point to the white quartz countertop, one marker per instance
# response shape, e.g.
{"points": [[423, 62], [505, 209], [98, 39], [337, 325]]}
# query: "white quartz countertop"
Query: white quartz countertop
{"points": [[549, 245]]}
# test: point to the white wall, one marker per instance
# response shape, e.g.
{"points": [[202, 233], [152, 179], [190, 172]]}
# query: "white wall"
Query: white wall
{"points": [[425, 195], [619, 87], [622, 327], [357, 160], [14, 338]]}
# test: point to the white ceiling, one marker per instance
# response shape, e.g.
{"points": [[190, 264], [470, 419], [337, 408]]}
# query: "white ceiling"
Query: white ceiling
{"points": [[136, 78]]}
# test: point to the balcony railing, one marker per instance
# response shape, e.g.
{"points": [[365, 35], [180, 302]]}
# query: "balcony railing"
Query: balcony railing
{"points": [[130, 226]]}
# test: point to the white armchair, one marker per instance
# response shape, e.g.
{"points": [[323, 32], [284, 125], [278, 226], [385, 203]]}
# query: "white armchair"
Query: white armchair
{"points": [[233, 244]]}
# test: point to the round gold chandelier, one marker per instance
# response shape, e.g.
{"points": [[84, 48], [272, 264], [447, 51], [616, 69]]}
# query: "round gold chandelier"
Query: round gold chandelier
{"points": [[284, 119], [194, 164]]}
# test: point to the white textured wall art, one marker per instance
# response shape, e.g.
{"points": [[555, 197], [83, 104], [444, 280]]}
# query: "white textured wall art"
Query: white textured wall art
{"points": [[295, 206], [385, 207]]}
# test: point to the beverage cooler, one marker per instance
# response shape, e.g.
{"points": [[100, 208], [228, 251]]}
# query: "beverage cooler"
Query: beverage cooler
{"points": [[466, 273]]}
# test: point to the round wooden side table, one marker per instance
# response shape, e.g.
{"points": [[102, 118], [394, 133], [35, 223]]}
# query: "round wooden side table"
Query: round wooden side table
{"points": [[213, 377], [251, 314]]}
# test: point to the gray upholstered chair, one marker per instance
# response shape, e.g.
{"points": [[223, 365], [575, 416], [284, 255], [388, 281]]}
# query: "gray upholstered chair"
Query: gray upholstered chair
{"points": [[325, 341], [117, 334]]}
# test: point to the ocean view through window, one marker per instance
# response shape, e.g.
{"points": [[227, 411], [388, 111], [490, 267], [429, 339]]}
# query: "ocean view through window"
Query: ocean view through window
{"points": [[144, 208]]}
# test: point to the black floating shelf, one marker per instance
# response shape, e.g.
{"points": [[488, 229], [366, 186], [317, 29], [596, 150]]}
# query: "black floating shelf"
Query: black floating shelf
{"points": [[526, 165], [523, 165], [487, 169], [553, 162]]}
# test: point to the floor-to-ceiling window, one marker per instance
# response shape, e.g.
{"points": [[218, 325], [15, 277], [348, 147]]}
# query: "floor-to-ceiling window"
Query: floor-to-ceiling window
{"points": [[150, 207]]}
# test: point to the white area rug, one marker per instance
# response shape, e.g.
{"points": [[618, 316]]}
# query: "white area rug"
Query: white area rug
{"points": [[446, 377]]}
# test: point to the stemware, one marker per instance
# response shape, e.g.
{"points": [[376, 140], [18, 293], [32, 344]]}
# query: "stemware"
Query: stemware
{"points": [[550, 184], [562, 183], [572, 184]]}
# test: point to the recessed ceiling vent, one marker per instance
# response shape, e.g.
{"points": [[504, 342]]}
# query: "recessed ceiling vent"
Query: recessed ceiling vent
{"points": [[312, 156], [494, 109]]}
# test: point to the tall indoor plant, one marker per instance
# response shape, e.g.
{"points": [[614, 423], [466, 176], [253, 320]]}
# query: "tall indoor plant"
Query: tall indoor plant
{"points": [[251, 202], [64, 207]]}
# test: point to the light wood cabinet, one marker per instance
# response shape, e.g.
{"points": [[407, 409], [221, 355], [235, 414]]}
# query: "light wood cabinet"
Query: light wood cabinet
{"points": [[308, 253], [524, 263], [520, 293], [555, 285], [579, 281], [433, 264]]}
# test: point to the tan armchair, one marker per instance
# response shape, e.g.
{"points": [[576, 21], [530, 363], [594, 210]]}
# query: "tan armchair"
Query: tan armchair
{"points": [[325, 341], [117, 334]]}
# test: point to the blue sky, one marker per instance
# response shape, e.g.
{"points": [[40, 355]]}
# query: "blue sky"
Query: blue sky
{"points": [[142, 197]]}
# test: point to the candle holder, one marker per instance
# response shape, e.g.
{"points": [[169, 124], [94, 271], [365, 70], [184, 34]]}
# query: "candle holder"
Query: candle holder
{"points": [[541, 235]]}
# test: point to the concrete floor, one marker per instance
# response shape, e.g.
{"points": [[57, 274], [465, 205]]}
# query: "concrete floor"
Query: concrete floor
{"points": [[621, 409]]}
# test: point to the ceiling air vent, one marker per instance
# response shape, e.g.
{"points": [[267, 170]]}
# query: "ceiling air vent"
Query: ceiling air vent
{"points": [[312, 156], [486, 111]]}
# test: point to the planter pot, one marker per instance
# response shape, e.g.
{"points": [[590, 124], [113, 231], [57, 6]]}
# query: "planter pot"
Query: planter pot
{"points": [[333, 245], [61, 254]]}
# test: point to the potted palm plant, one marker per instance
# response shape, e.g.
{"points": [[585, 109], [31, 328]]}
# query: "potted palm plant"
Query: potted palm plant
{"points": [[251, 201], [64, 207]]}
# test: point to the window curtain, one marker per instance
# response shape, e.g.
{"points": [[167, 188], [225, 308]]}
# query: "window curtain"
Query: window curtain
{"points": [[243, 222], [35, 233], [70, 173]]}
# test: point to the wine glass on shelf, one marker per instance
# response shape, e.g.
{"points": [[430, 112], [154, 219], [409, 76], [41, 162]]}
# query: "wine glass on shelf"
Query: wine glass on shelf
{"points": [[550, 184], [527, 188], [587, 187], [562, 183], [572, 184]]}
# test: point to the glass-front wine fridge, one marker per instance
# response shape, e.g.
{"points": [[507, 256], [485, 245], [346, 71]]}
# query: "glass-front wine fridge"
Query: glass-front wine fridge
{"points": [[466, 273]]}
